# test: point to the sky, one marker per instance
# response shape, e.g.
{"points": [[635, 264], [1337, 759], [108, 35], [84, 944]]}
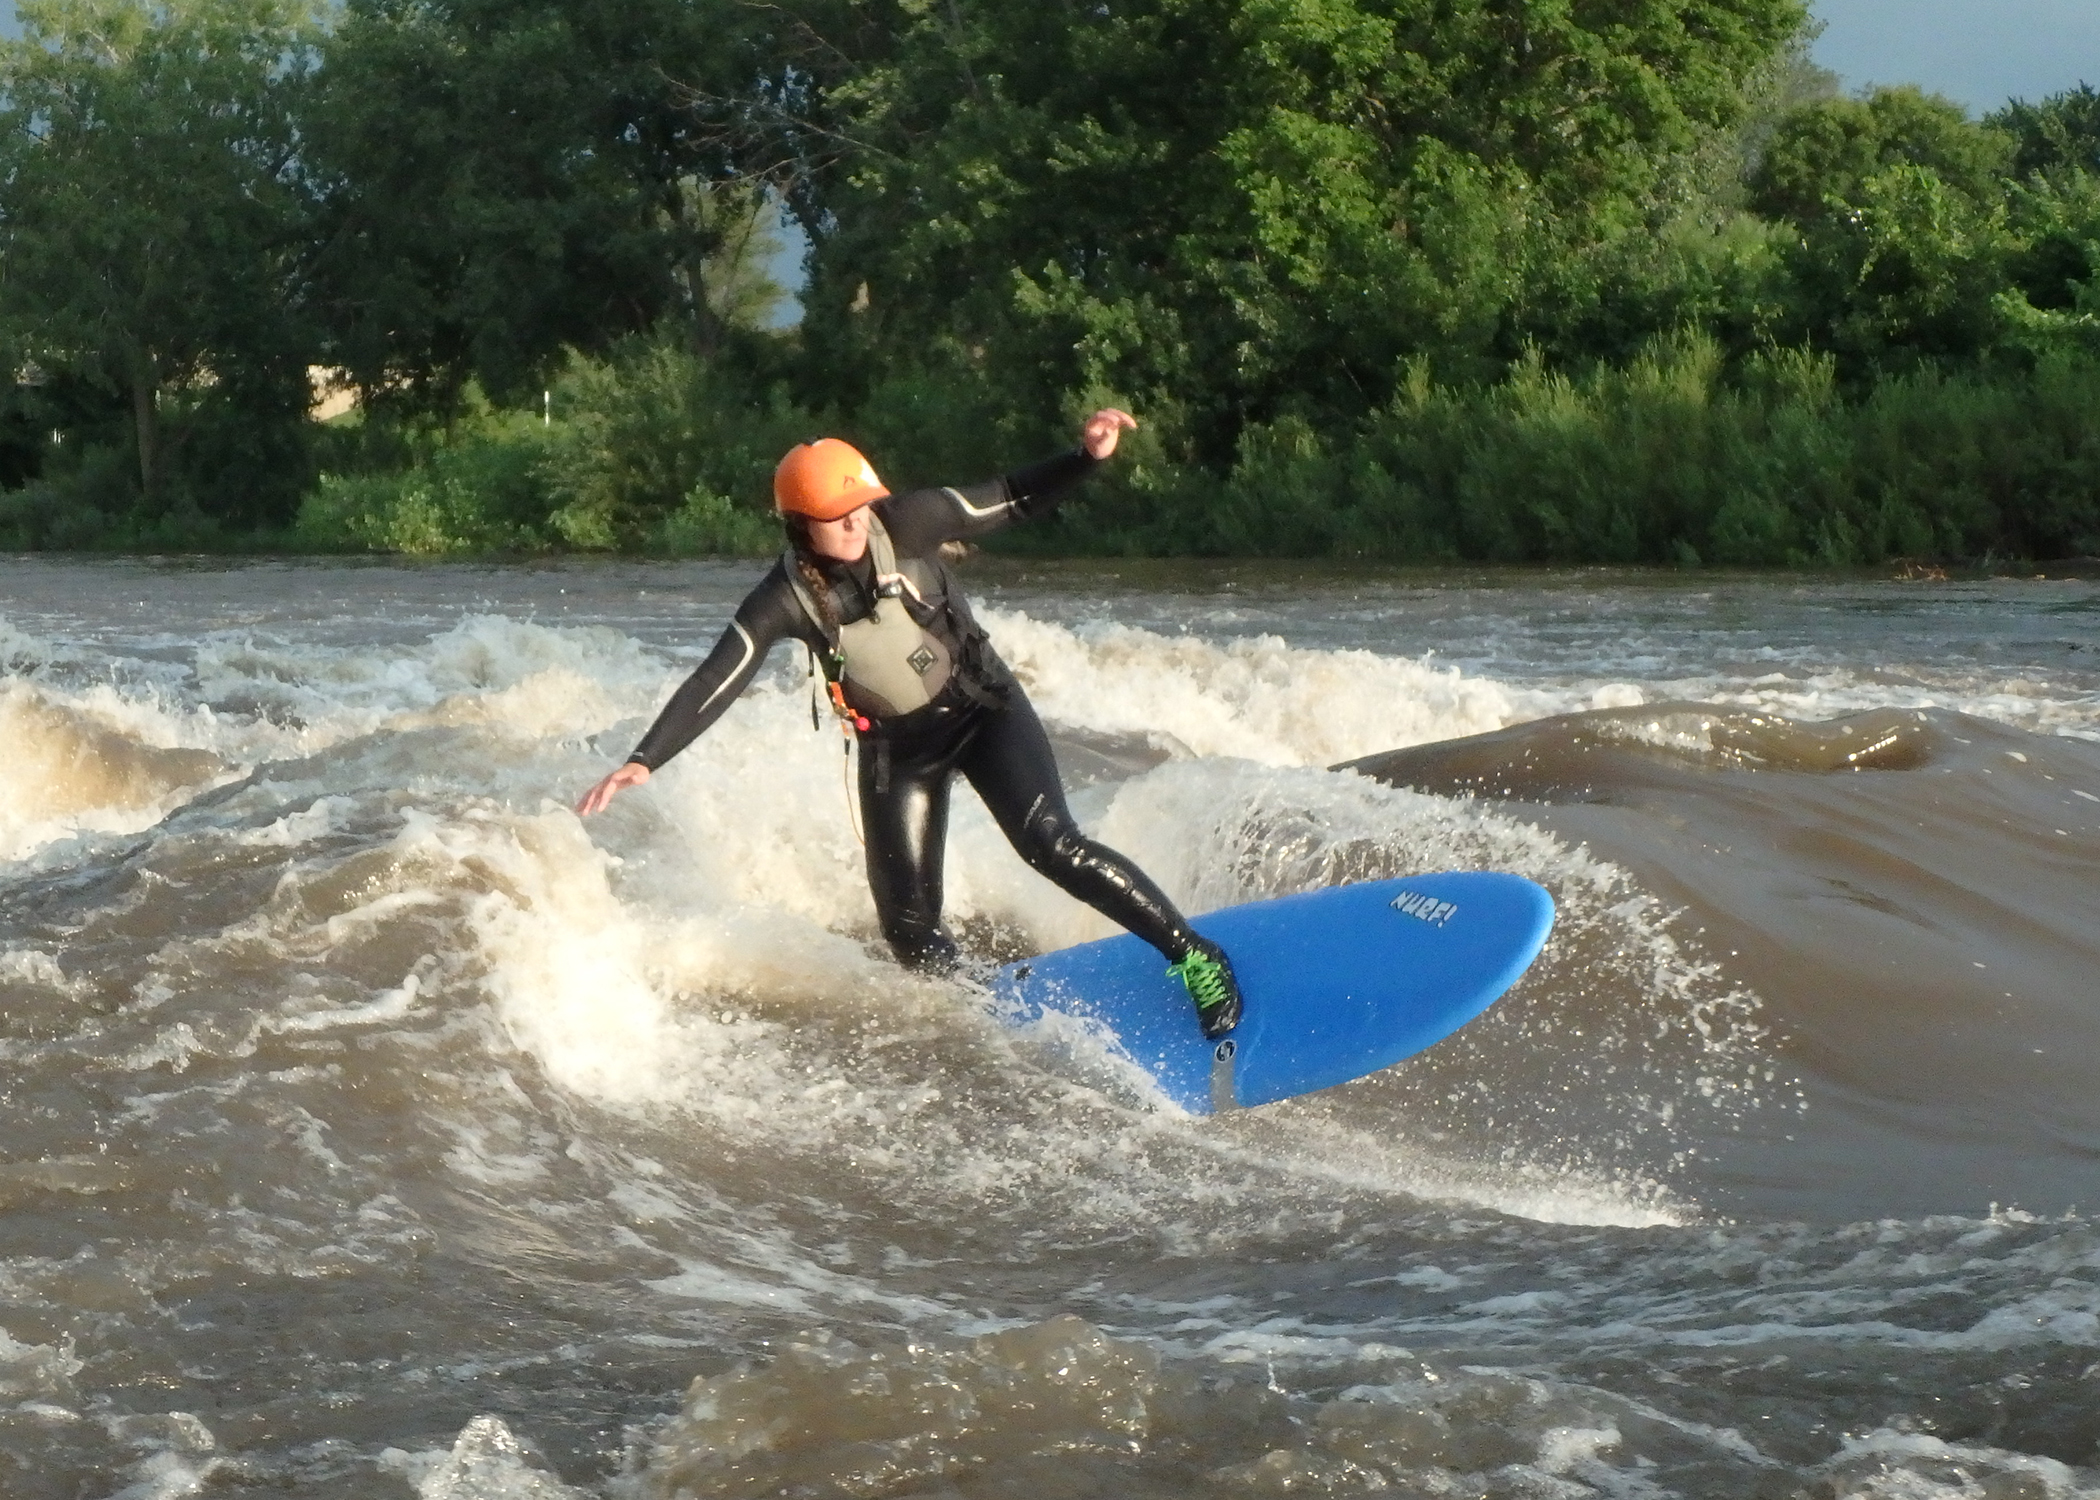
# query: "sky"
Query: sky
{"points": [[1978, 52]]}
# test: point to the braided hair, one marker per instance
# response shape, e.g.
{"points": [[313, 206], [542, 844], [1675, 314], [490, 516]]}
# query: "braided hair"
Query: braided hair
{"points": [[812, 576]]}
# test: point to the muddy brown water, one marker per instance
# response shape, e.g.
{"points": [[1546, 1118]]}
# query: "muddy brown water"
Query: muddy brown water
{"points": [[375, 1128]]}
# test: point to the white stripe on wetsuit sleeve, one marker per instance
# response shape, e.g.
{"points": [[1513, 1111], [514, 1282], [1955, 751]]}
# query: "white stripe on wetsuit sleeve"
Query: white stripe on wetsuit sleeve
{"points": [[750, 649], [976, 513]]}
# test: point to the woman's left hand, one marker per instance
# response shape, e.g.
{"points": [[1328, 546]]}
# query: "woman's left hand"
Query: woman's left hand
{"points": [[1102, 429]]}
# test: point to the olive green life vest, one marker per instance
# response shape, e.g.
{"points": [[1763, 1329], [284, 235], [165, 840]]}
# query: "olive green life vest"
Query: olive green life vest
{"points": [[895, 659]]}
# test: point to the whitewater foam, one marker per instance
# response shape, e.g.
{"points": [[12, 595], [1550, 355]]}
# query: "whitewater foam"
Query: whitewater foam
{"points": [[360, 1080]]}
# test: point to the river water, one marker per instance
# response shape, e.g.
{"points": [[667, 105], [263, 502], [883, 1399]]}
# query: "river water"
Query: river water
{"points": [[374, 1128]]}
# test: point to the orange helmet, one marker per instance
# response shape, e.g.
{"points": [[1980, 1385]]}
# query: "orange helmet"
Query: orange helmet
{"points": [[824, 480]]}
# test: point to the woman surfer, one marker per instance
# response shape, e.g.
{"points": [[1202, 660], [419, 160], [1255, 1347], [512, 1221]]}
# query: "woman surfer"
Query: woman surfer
{"points": [[862, 585]]}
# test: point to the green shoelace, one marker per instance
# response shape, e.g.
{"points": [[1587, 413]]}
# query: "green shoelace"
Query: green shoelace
{"points": [[1203, 977]]}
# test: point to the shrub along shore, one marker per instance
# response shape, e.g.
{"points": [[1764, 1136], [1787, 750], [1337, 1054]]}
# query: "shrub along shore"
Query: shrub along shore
{"points": [[1665, 460]]}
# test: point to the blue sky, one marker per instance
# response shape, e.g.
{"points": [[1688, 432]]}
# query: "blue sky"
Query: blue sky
{"points": [[1981, 52]]}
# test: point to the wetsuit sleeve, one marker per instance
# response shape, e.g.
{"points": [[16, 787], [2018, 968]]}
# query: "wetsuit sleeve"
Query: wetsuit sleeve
{"points": [[768, 614], [920, 520]]}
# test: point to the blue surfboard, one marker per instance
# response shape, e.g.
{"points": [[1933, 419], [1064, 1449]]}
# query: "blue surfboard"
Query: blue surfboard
{"points": [[1338, 983]]}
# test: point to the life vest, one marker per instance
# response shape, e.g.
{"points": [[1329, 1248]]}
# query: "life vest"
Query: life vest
{"points": [[911, 646]]}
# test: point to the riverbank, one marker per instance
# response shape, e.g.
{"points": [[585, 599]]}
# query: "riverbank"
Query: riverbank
{"points": [[1676, 459]]}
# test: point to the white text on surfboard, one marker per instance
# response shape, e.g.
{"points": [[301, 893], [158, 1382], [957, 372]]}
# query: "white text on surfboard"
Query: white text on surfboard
{"points": [[1428, 908]]}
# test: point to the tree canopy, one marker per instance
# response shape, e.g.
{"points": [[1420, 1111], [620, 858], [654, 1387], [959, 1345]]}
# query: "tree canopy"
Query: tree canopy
{"points": [[504, 179], [1276, 226], [153, 217], [1241, 206]]}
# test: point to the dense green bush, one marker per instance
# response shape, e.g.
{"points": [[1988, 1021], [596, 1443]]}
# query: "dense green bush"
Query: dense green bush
{"points": [[76, 500], [650, 449], [1675, 457], [481, 493], [656, 447], [1667, 460]]}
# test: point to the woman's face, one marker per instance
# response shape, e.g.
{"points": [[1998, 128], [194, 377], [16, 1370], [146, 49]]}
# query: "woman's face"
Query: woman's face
{"points": [[843, 540]]}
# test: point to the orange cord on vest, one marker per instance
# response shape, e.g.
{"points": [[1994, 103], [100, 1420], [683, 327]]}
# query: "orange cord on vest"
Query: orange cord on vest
{"points": [[846, 778], [852, 725], [844, 710]]}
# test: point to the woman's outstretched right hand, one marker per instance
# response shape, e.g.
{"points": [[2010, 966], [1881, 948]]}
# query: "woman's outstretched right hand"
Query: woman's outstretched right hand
{"points": [[1102, 429], [634, 773]]}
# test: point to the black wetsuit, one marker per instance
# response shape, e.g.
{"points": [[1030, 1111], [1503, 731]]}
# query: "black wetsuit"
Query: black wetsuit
{"points": [[982, 726]]}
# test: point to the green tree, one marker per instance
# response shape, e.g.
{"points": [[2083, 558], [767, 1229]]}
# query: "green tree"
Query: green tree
{"points": [[508, 179], [2060, 134], [1901, 241], [2052, 308], [1240, 207], [1911, 270], [1820, 157], [152, 223], [2055, 303]]}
